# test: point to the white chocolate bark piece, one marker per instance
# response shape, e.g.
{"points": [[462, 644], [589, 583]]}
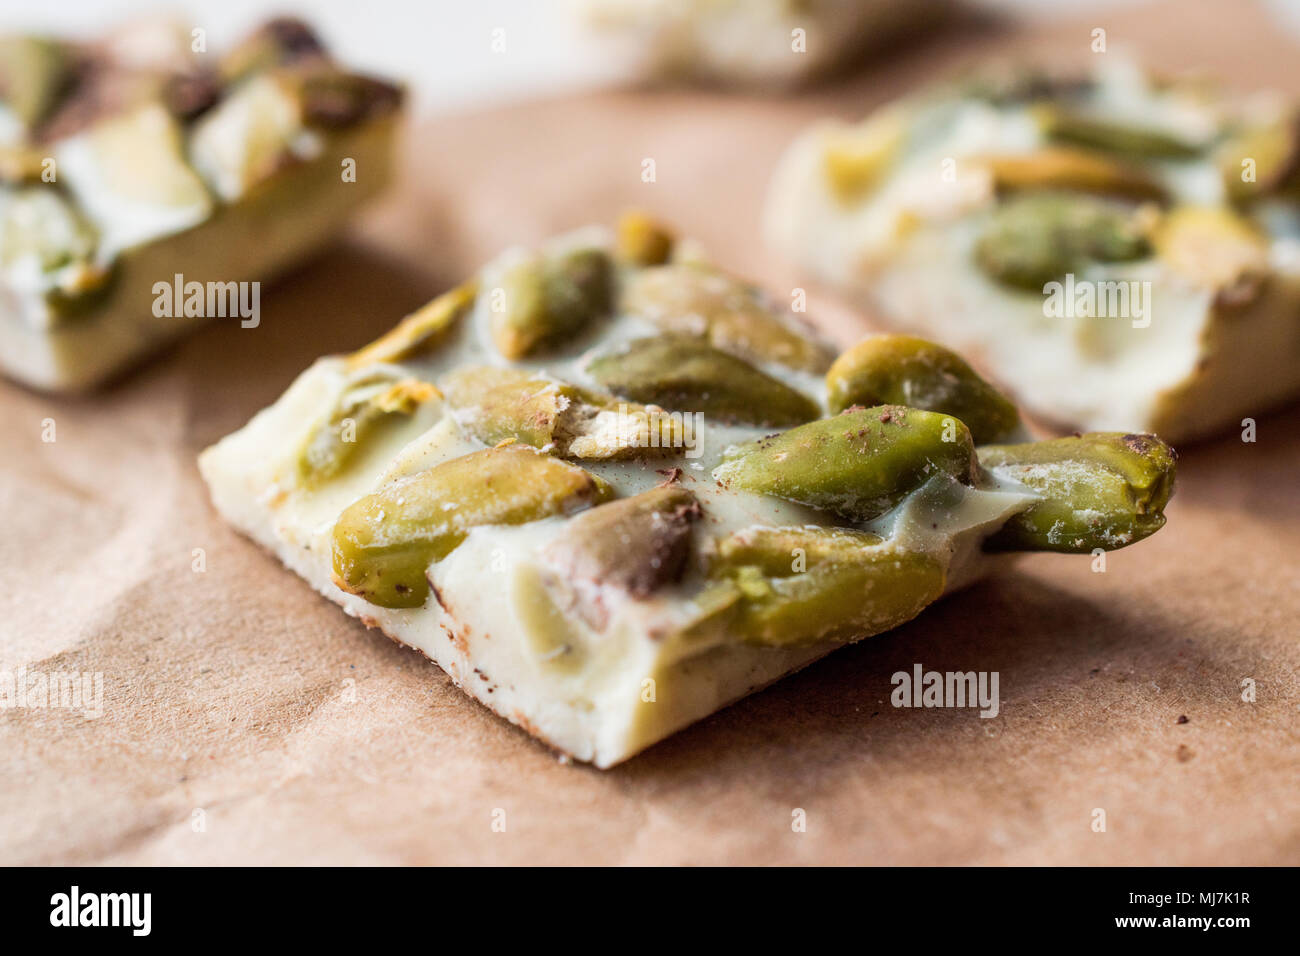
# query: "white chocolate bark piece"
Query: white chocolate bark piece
{"points": [[762, 43], [1198, 331], [596, 664], [137, 163]]}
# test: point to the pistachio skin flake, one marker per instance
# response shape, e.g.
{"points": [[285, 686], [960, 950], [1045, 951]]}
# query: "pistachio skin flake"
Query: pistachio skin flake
{"points": [[683, 373], [858, 464], [782, 587], [384, 543], [1100, 490], [906, 370]]}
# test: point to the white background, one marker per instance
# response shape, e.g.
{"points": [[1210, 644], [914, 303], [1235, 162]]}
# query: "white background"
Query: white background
{"points": [[441, 47]]}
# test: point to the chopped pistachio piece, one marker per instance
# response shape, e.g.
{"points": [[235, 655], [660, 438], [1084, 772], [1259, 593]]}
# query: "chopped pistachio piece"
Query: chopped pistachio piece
{"points": [[277, 42], [499, 404], [252, 133], [1215, 247], [39, 225], [857, 157], [1261, 159], [130, 176], [634, 546]]}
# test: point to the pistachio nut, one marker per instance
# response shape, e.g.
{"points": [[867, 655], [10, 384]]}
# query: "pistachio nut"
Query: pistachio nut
{"points": [[1214, 247], [1078, 170], [642, 241], [35, 71], [1036, 238], [635, 546], [500, 404], [1261, 159], [856, 158], [1099, 490], [549, 299], [684, 373], [384, 543], [858, 464], [277, 42], [780, 587], [364, 409], [420, 332], [691, 299], [1079, 128], [905, 370]]}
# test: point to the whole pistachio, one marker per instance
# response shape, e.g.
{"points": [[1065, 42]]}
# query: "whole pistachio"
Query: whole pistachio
{"points": [[384, 543], [696, 300], [780, 587], [549, 299], [1035, 238], [1091, 131], [363, 410], [905, 370], [1076, 170], [684, 373], [1099, 490], [858, 464]]}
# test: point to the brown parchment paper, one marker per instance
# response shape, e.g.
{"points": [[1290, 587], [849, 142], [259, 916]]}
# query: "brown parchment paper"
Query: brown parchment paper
{"points": [[247, 720]]}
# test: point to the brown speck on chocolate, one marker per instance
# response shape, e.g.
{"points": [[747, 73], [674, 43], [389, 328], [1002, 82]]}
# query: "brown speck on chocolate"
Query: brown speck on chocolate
{"points": [[1184, 753], [1182, 719]]}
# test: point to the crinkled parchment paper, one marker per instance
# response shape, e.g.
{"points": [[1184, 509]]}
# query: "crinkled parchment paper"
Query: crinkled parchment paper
{"points": [[247, 720]]}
